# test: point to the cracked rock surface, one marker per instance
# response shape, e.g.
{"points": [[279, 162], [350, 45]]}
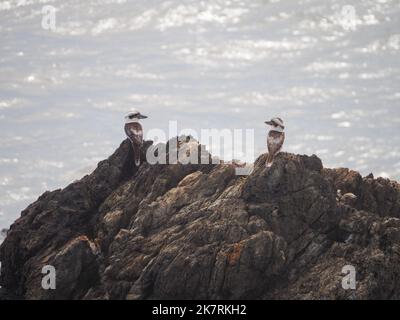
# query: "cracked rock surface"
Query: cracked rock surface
{"points": [[202, 232]]}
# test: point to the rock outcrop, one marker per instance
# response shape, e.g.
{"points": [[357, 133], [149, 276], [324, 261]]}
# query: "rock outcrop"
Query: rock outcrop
{"points": [[202, 232], [3, 234]]}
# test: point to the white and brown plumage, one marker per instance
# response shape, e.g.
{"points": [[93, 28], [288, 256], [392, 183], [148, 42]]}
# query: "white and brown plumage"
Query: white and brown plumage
{"points": [[134, 131], [275, 140]]}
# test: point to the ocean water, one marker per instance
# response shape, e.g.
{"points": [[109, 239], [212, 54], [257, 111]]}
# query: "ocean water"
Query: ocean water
{"points": [[329, 68]]}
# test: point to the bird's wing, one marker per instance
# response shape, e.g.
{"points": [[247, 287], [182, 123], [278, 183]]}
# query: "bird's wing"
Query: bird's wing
{"points": [[282, 140]]}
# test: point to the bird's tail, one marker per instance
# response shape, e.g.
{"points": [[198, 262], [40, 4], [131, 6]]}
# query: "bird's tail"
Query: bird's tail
{"points": [[136, 154], [270, 160]]}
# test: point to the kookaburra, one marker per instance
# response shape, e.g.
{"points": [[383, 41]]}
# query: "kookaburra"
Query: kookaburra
{"points": [[276, 137], [134, 131]]}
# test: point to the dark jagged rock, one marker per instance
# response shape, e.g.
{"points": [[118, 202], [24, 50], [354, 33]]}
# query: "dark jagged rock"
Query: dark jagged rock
{"points": [[202, 232], [3, 234], [380, 196]]}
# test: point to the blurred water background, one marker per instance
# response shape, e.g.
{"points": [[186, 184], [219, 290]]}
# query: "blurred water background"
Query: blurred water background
{"points": [[330, 69]]}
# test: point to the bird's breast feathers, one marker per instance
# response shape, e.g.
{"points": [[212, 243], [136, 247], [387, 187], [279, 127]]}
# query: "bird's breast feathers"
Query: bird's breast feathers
{"points": [[137, 132], [275, 137]]}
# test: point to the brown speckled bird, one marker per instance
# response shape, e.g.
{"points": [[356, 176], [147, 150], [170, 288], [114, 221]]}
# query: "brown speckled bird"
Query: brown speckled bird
{"points": [[134, 131], [275, 140]]}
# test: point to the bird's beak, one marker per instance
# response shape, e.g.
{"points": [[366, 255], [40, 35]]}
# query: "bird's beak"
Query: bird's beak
{"points": [[142, 116], [268, 123]]}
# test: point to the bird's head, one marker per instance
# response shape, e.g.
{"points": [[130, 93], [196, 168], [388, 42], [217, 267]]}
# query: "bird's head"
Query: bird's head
{"points": [[276, 124], [134, 116]]}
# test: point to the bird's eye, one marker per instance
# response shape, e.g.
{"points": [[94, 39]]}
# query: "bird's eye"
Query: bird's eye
{"points": [[132, 116]]}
